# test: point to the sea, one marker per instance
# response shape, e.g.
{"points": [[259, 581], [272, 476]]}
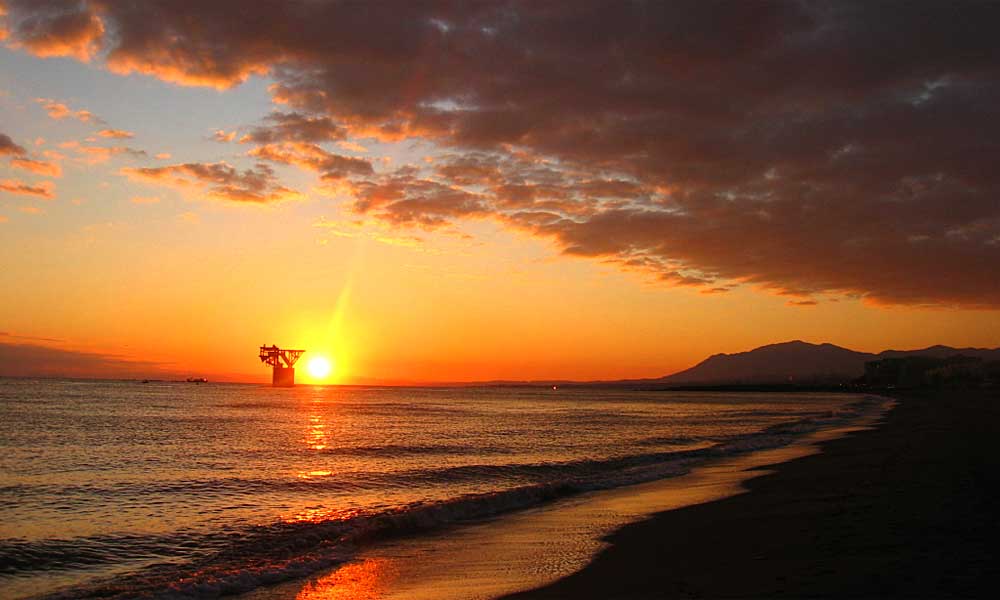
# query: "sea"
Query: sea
{"points": [[123, 489]]}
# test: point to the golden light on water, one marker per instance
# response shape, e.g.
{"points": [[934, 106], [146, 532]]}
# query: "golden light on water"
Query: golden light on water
{"points": [[361, 580]]}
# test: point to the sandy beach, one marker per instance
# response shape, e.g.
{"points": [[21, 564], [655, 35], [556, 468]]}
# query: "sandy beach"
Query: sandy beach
{"points": [[906, 509]]}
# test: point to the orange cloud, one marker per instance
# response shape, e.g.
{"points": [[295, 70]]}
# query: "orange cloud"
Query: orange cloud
{"points": [[59, 110], [118, 134], [145, 199], [352, 146], [219, 180], [76, 34], [39, 167], [15, 186], [100, 154], [312, 157]]}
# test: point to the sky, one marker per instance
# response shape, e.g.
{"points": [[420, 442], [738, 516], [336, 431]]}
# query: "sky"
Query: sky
{"points": [[427, 192]]}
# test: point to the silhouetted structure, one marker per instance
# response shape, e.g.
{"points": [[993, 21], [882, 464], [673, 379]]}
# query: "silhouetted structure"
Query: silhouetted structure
{"points": [[283, 362]]}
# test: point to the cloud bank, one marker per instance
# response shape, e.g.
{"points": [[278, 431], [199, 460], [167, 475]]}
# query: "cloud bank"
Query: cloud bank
{"points": [[805, 147], [19, 359]]}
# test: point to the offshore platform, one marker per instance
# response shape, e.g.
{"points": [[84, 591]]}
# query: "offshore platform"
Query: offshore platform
{"points": [[283, 362]]}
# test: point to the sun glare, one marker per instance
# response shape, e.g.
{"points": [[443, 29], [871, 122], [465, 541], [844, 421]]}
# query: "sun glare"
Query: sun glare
{"points": [[319, 367]]}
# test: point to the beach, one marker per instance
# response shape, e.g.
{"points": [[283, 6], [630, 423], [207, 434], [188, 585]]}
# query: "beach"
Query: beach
{"points": [[810, 495], [115, 489], [905, 509]]}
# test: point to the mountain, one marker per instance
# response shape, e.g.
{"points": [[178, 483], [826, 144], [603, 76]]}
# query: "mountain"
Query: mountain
{"points": [[801, 362], [987, 354]]}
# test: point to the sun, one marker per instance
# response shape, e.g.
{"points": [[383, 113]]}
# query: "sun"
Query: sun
{"points": [[319, 367]]}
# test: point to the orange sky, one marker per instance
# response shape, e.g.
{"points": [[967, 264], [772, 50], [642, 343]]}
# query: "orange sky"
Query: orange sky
{"points": [[164, 213]]}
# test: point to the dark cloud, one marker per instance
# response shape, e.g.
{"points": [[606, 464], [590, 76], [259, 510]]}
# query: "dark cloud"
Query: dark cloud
{"points": [[218, 180], [295, 127], [406, 199], [60, 28], [9, 148], [31, 360], [810, 147]]}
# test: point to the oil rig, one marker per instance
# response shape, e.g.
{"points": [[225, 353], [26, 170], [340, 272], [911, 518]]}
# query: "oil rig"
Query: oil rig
{"points": [[283, 362]]}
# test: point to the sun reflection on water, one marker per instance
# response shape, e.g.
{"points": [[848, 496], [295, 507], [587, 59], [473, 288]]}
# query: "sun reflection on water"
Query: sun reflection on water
{"points": [[364, 580], [323, 514], [316, 433]]}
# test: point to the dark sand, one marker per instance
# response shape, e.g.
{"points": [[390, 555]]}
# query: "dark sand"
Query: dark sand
{"points": [[908, 509]]}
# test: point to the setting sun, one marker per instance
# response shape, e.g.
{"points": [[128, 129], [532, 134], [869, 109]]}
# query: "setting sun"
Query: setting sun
{"points": [[319, 367]]}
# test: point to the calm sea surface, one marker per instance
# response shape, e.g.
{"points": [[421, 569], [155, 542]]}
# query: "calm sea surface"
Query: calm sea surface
{"points": [[122, 489]]}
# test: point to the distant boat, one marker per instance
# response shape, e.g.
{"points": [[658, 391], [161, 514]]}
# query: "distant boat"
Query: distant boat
{"points": [[197, 380]]}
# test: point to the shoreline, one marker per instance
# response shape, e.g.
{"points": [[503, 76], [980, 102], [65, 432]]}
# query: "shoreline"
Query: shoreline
{"points": [[906, 509], [537, 546]]}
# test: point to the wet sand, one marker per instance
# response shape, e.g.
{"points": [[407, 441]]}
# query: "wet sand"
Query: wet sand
{"points": [[908, 509]]}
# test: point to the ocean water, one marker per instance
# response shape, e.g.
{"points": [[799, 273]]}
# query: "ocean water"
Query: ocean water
{"points": [[123, 489]]}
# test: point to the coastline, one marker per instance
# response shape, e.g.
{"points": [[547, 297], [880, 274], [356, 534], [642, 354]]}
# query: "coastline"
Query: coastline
{"points": [[537, 546], [906, 509]]}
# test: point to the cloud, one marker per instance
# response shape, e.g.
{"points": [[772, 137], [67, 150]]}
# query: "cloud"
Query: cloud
{"points": [[9, 148], [60, 29], [32, 360], [218, 180], [38, 167], [805, 303], [716, 290], [835, 148], [312, 157], [352, 146], [144, 199], [59, 111], [100, 154], [224, 137], [295, 127], [118, 134], [9, 335], [406, 199], [15, 186]]}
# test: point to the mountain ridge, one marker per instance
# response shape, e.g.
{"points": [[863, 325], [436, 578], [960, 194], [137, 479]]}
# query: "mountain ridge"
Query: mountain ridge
{"points": [[797, 361]]}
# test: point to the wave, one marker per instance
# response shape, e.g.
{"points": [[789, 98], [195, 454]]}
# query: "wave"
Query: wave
{"points": [[237, 561]]}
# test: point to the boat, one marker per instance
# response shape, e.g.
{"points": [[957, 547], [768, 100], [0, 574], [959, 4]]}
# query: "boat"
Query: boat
{"points": [[197, 380]]}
